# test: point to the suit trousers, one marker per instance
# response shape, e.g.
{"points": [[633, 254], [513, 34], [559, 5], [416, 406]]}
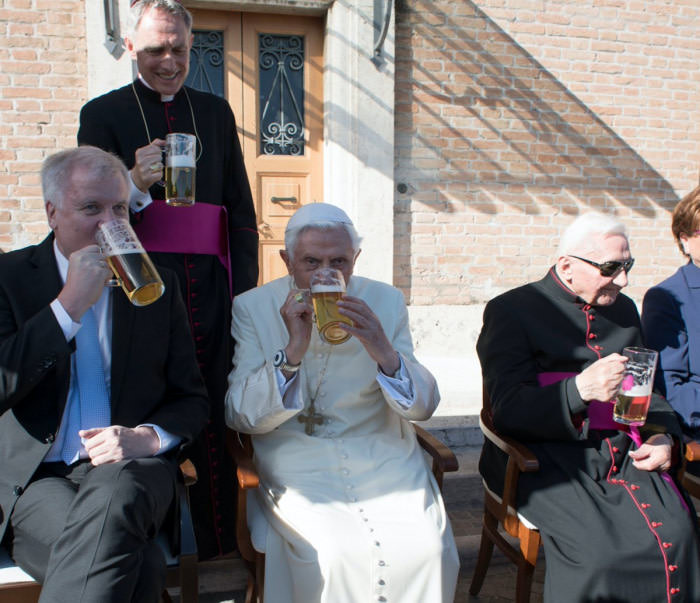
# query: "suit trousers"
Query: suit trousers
{"points": [[87, 533]]}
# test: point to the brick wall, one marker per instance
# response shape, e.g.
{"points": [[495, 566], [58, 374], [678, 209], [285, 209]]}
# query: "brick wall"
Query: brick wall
{"points": [[42, 87], [513, 116]]}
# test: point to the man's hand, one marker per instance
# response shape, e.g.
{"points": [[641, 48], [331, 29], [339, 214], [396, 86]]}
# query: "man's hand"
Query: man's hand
{"points": [[654, 454], [87, 274], [116, 443], [369, 331], [601, 380], [297, 315], [148, 165]]}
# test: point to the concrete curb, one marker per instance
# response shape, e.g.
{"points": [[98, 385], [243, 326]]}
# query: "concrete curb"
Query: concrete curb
{"points": [[455, 431]]}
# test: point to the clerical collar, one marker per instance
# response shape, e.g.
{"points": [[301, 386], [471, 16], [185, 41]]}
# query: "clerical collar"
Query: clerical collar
{"points": [[164, 98]]}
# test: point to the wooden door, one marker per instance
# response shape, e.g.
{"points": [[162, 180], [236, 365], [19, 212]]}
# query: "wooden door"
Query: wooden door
{"points": [[273, 66]]}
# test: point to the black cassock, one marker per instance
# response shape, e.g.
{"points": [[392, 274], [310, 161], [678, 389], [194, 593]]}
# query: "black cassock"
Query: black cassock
{"points": [[114, 122], [610, 532]]}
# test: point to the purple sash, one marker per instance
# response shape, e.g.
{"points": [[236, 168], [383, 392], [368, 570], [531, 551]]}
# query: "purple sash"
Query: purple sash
{"points": [[600, 416], [200, 228]]}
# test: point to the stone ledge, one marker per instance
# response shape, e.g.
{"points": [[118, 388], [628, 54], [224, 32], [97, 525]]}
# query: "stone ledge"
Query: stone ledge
{"points": [[455, 431]]}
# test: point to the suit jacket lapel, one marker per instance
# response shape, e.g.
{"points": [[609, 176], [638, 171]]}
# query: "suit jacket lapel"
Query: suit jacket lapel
{"points": [[123, 317], [691, 274], [47, 277]]}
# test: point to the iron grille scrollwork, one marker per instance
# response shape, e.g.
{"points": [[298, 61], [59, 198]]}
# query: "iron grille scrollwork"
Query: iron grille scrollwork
{"points": [[207, 62], [281, 94]]}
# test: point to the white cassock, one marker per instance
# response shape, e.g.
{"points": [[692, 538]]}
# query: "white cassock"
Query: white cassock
{"points": [[353, 511]]}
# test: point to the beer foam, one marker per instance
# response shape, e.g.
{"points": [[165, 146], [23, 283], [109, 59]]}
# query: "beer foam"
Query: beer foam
{"points": [[179, 161], [638, 390], [326, 289]]}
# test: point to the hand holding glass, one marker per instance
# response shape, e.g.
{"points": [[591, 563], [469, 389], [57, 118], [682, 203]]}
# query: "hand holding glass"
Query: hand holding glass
{"points": [[132, 267], [327, 287], [180, 168], [633, 398]]}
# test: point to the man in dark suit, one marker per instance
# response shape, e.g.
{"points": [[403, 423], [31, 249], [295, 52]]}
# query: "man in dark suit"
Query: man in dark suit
{"points": [[82, 521]]}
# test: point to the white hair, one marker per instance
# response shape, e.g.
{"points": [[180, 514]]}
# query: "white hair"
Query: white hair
{"points": [[291, 236], [581, 235], [169, 6]]}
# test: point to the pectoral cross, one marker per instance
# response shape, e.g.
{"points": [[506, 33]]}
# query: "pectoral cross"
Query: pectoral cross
{"points": [[311, 419]]}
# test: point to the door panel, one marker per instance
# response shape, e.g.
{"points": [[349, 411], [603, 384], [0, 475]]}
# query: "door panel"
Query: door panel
{"points": [[281, 183]]}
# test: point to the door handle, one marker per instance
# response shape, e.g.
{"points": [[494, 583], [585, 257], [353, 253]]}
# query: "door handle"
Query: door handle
{"points": [[283, 199]]}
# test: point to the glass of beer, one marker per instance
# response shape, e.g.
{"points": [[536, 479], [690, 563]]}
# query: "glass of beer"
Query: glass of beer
{"points": [[132, 268], [180, 168], [327, 287], [632, 403]]}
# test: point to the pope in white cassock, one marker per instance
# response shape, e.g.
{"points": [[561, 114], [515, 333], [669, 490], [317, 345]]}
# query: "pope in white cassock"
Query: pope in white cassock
{"points": [[349, 512]]}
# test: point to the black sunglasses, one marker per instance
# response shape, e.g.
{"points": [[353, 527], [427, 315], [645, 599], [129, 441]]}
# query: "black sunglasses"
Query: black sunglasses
{"points": [[611, 268]]}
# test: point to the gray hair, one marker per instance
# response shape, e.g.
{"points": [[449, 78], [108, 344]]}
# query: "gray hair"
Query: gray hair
{"points": [[580, 235], [169, 6], [291, 236], [57, 170]]}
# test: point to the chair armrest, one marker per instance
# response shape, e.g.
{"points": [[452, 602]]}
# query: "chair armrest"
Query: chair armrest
{"points": [[523, 457], [242, 453], [440, 453], [692, 451], [189, 473]]}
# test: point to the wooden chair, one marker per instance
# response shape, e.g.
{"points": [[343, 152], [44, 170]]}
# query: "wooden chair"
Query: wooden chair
{"points": [[240, 447], [503, 512], [690, 482], [180, 550]]}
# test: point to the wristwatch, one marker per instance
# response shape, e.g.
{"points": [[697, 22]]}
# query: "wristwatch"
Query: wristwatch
{"points": [[280, 362]]}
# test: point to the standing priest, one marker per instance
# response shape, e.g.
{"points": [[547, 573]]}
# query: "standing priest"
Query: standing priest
{"points": [[212, 245]]}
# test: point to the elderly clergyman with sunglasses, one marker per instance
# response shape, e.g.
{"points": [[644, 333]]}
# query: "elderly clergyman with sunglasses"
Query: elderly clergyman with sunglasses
{"points": [[614, 524]]}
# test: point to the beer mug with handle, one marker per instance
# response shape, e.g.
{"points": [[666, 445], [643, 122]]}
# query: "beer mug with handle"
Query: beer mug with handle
{"points": [[632, 403], [327, 287], [180, 168], [133, 270]]}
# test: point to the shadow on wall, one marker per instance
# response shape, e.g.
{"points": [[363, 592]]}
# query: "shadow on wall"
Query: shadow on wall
{"points": [[483, 128]]}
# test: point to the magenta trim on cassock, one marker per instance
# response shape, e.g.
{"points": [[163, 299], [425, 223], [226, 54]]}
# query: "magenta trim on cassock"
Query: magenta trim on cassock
{"points": [[200, 228]]}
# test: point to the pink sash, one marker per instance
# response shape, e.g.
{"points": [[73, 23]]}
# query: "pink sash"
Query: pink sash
{"points": [[200, 228]]}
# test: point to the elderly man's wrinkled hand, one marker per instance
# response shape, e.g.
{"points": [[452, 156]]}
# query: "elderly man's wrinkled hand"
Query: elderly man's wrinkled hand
{"points": [[297, 314], [369, 331], [148, 165], [87, 274], [654, 454], [117, 443], [601, 380]]}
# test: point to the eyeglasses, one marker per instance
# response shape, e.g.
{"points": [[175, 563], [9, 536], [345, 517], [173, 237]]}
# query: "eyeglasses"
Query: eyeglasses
{"points": [[610, 268]]}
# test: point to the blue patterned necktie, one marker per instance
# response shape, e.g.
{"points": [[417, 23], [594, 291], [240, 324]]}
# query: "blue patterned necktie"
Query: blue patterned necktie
{"points": [[89, 402]]}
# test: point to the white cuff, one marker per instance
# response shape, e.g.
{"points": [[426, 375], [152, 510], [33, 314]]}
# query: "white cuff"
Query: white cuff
{"points": [[138, 200]]}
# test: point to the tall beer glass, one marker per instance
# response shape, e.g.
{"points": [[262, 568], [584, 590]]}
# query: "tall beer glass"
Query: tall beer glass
{"points": [[634, 396], [327, 287], [132, 267], [180, 168]]}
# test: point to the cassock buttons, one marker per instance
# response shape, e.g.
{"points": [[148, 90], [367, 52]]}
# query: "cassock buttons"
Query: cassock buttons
{"points": [[17, 490]]}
